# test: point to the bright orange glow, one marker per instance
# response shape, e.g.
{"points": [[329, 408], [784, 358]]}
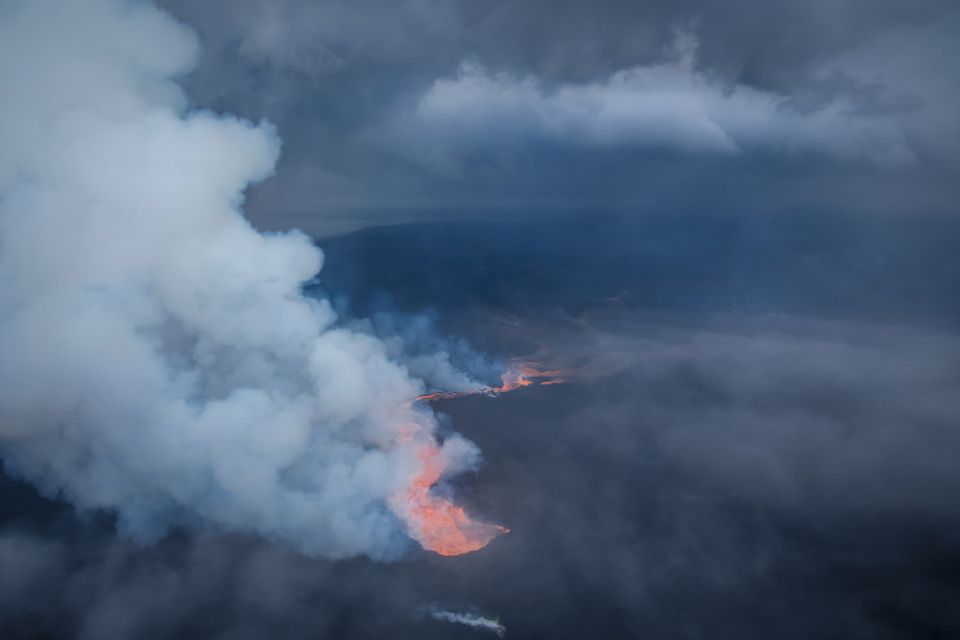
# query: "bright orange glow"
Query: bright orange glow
{"points": [[444, 395], [438, 524], [517, 376], [525, 375]]}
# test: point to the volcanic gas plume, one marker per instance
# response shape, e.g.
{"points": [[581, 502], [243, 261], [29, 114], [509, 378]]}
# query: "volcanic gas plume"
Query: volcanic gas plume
{"points": [[160, 360]]}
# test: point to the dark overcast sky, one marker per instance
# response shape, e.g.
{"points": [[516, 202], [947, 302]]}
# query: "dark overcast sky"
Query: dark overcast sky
{"points": [[444, 106]]}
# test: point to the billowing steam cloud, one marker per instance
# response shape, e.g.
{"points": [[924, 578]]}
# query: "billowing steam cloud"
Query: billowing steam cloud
{"points": [[158, 357]]}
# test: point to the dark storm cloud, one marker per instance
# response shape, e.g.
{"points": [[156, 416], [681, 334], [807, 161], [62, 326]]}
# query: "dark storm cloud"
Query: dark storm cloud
{"points": [[450, 105]]}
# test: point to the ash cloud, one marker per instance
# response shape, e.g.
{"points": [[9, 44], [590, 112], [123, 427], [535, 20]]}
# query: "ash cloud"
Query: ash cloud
{"points": [[159, 357]]}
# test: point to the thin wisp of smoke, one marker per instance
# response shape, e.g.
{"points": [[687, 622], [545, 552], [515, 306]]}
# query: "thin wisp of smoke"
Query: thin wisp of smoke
{"points": [[469, 619]]}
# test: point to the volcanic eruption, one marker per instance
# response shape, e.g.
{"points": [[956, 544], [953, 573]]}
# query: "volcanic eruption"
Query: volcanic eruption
{"points": [[519, 374], [436, 523], [160, 358]]}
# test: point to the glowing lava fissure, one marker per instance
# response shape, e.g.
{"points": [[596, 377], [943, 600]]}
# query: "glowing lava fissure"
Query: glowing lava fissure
{"points": [[436, 523], [518, 375]]}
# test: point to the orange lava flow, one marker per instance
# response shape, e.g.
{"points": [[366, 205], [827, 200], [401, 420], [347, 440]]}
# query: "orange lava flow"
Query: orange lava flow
{"points": [[519, 375], [444, 395], [525, 375], [438, 524]]}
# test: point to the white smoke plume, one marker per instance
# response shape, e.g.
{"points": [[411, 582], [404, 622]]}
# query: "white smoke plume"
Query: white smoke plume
{"points": [[470, 619], [158, 357]]}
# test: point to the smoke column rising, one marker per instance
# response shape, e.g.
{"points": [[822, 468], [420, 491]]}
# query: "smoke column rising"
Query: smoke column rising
{"points": [[159, 359]]}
